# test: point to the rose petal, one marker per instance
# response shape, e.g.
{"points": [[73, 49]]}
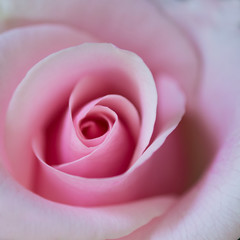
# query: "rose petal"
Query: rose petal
{"points": [[122, 106], [210, 209], [164, 152], [129, 121], [27, 216], [31, 44], [107, 159], [46, 219], [117, 64], [159, 42], [216, 33], [134, 194], [136, 183]]}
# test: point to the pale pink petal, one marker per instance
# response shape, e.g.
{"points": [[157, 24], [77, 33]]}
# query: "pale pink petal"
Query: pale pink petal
{"points": [[110, 145], [63, 142], [110, 158], [122, 106], [140, 28], [173, 69], [63, 136], [54, 220], [164, 158], [210, 210], [213, 25], [118, 70], [157, 175], [28, 216], [30, 44], [170, 110]]}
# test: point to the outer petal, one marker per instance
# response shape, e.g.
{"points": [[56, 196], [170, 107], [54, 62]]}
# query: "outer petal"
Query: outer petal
{"points": [[216, 34], [211, 210], [27, 216], [15, 61], [135, 26]]}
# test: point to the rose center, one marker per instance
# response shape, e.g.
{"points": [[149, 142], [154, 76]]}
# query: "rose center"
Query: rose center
{"points": [[93, 127]]}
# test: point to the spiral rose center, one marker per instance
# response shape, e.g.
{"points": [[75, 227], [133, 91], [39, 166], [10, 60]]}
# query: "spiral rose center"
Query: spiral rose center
{"points": [[93, 127]]}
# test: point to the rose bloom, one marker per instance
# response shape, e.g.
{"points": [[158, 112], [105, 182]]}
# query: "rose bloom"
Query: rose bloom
{"points": [[119, 119]]}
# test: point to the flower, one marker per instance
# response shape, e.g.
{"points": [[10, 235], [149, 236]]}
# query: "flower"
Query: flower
{"points": [[168, 71]]}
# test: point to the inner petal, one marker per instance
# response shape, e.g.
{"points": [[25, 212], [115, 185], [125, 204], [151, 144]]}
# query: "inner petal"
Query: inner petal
{"points": [[91, 123], [93, 127]]}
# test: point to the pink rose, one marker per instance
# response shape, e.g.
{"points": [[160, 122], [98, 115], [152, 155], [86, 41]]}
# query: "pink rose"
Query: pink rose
{"points": [[119, 119]]}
